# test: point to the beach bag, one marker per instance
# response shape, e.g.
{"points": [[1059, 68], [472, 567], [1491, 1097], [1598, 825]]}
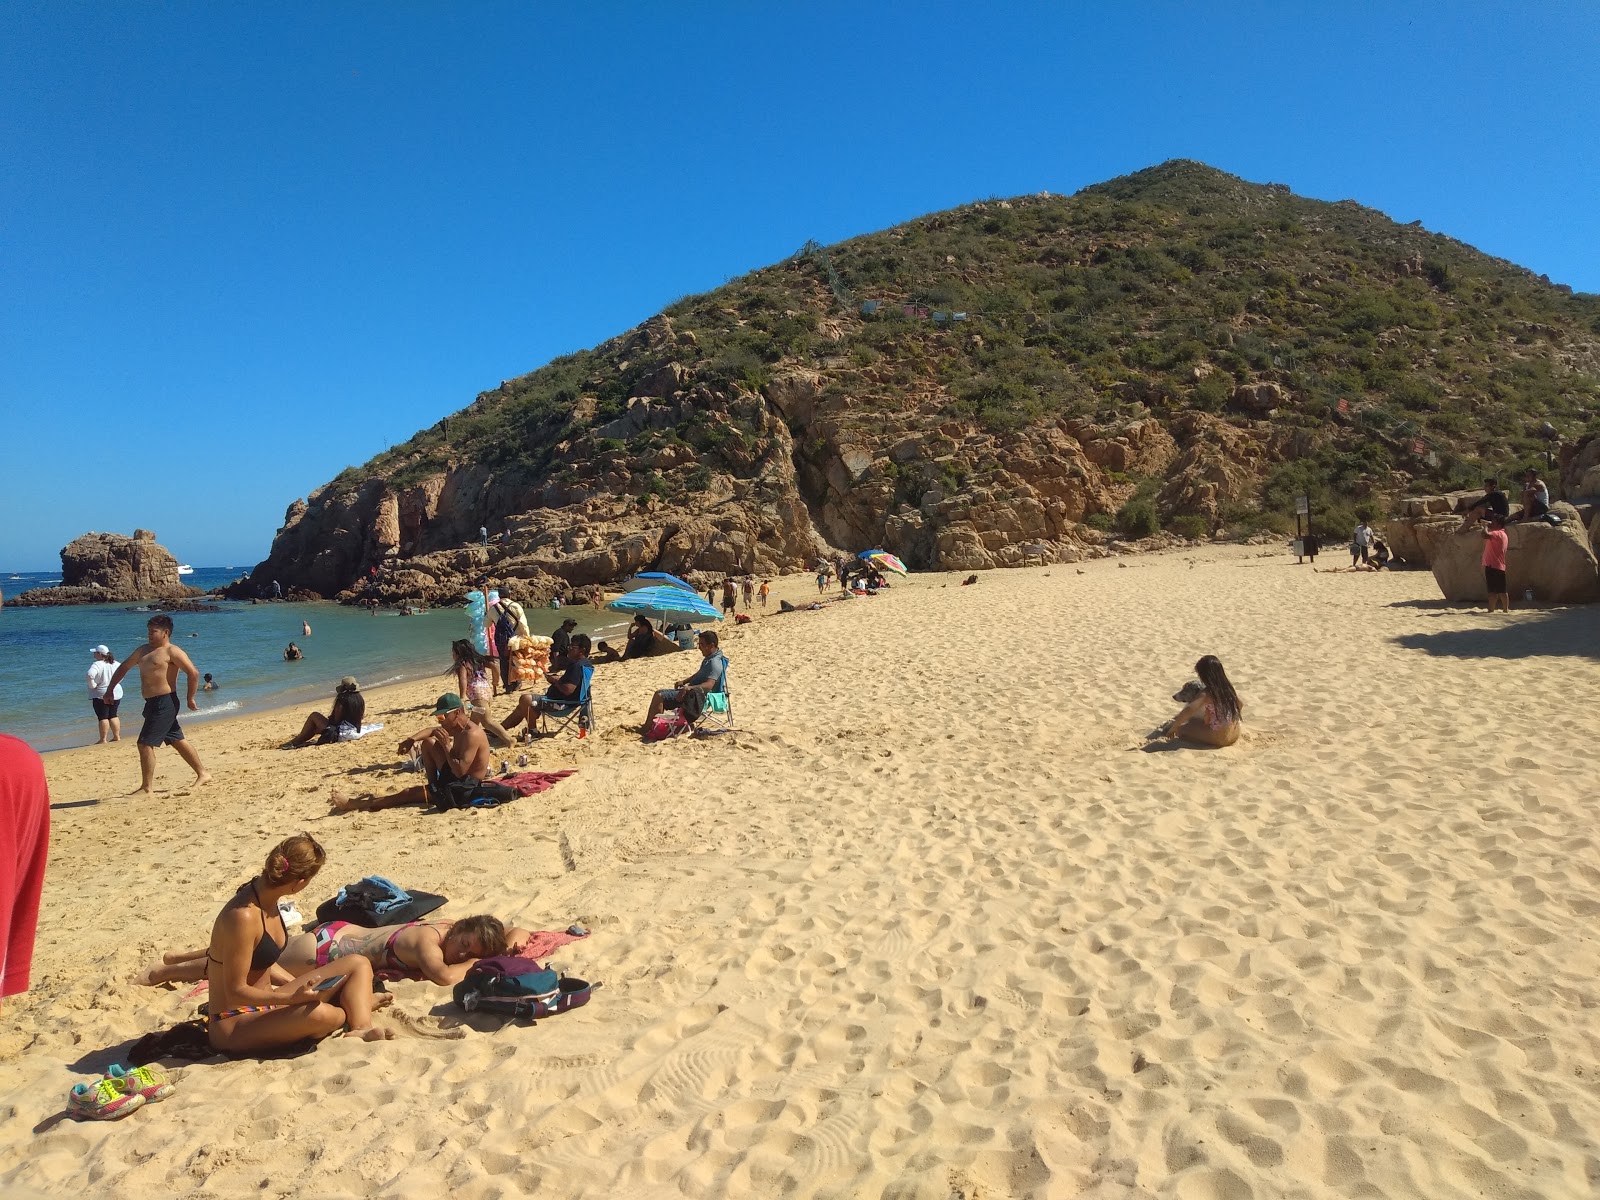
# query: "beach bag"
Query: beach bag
{"points": [[664, 726], [506, 985]]}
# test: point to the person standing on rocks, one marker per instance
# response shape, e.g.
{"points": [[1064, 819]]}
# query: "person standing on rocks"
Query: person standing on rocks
{"points": [[159, 662], [105, 700]]}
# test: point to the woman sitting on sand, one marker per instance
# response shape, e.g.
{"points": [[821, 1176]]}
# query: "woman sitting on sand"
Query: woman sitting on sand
{"points": [[1213, 717], [349, 709], [641, 638], [438, 951], [255, 1003], [475, 684]]}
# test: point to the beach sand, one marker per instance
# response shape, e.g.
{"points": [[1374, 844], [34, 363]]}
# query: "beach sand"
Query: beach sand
{"points": [[930, 924]]}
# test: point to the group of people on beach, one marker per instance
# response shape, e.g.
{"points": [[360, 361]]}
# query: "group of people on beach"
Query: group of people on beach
{"points": [[268, 988]]}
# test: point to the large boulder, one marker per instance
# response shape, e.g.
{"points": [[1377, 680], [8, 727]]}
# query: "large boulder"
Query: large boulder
{"points": [[1556, 561], [110, 568]]}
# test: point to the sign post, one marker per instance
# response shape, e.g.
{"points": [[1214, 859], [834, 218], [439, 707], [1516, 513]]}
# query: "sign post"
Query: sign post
{"points": [[1305, 543]]}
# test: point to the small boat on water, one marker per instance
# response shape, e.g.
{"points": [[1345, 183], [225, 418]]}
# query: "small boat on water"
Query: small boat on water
{"points": [[185, 569]]}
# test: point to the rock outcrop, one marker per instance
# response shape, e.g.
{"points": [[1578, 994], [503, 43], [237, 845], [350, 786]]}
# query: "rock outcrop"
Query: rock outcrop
{"points": [[1001, 383], [109, 568], [1555, 561]]}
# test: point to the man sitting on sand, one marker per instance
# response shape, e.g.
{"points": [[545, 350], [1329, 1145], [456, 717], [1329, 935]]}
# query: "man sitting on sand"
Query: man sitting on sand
{"points": [[709, 678], [566, 685], [439, 951], [159, 662], [455, 756]]}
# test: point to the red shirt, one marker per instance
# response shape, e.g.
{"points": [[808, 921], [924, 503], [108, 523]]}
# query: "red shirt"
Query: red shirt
{"points": [[24, 846], [1494, 549]]}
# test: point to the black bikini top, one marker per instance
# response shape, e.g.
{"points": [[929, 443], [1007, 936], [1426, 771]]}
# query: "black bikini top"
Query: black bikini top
{"points": [[267, 949]]}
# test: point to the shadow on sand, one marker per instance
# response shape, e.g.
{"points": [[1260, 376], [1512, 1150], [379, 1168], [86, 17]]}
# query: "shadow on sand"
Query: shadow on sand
{"points": [[1572, 632]]}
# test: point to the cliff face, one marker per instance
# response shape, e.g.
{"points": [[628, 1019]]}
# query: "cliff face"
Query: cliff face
{"points": [[102, 568], [1012, 379]]}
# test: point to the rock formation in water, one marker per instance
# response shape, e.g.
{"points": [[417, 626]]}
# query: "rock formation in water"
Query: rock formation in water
{"points": [[109, 568]]}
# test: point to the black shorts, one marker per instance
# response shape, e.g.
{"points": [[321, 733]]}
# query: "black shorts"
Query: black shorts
{"points": [[105, 710], [1494, 580], [160, 721], [446, 789]]}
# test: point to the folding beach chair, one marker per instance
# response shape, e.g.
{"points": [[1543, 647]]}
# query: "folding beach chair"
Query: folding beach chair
{"points": [[717, 715], [561, 714]]}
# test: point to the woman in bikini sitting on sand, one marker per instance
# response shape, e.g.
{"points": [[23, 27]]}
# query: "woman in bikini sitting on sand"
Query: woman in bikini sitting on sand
{"points": [[438, 951], [256, 1004], [1213, 717]]}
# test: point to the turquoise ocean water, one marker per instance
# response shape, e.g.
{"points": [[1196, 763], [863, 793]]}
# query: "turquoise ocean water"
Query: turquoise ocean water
{"points": [[44, 654]]}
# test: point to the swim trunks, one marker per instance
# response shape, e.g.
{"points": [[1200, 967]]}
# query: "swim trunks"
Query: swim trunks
{"points": [[446, 789], [1494, 581], [105, 710], [160, 720]]}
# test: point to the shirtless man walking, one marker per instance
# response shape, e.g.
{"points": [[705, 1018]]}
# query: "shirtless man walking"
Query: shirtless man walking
{"points": [[159, 662]]}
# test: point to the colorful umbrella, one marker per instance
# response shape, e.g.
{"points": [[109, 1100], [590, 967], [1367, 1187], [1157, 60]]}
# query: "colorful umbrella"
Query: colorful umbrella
{"points": [[646, 579], [669, 604], [884, 559]]}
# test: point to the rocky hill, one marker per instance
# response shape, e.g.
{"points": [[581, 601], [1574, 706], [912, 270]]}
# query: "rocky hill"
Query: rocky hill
{"points": [[1174, 350], [111, 568]]}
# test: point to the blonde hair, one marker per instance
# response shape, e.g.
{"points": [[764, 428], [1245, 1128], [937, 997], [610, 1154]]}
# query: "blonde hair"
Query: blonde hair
{"points": [[294, 859]]}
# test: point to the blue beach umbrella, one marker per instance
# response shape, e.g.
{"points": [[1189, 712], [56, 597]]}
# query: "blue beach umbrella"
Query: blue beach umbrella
{"points": [[649, 579], [670, 604]]}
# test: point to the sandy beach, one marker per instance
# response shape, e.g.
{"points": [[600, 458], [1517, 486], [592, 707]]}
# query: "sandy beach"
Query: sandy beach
{"points": [[931, 923]]}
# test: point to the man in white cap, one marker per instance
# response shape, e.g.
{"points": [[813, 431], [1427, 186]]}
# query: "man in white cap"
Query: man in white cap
{"points": [[105, 706]]}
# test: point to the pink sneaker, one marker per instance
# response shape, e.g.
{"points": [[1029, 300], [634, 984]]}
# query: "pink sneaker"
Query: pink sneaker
{"points": [[102, 1100]]}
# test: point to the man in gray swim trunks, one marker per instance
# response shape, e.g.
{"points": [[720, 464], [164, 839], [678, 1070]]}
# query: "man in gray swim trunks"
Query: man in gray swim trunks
{"points": [[159, 662]]}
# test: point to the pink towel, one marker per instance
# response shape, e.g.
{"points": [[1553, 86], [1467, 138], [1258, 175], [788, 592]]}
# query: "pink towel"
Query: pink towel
{"points": [[528, 783], [543, 942]]}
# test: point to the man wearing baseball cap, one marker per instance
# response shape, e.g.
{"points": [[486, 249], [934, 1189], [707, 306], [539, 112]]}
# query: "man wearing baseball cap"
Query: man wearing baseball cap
{"points": [[454, 754], [101, 670]]}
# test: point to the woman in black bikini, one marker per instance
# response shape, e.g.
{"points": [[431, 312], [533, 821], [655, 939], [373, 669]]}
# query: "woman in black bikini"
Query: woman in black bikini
{"points": [[255, 1004]]}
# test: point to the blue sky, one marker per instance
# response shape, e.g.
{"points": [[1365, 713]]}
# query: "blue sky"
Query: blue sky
{"points": [[246, 246]]}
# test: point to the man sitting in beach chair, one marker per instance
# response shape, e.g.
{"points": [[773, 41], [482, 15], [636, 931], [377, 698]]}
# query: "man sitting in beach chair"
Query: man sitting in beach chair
{"points": [[708, 679], [455, 756], [568, 695]]}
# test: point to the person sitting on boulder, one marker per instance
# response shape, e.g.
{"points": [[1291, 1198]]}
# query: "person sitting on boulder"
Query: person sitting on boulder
{"points": [[1535, 496], [1493, 501]]}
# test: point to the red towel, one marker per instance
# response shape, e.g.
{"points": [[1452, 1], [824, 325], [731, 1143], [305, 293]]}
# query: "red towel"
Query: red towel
{"points": [[529, 783], [24, 846], [544, 942]]}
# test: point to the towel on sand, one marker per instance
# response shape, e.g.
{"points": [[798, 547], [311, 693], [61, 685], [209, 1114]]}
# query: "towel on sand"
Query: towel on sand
{"points": [[544, 942], [528, 783]]}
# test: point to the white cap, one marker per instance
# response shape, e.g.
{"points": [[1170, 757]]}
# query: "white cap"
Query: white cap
{"points": [[100, 650]]}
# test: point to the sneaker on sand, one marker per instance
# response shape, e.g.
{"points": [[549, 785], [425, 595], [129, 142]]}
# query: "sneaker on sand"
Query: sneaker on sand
{"points": [[150, 1082], [102, 1100]]}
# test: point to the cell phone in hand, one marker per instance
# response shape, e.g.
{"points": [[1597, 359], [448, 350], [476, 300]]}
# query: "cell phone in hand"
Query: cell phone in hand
{"points": [[327, 984]]}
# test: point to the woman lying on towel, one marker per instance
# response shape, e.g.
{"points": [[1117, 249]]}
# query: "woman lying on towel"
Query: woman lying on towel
{"points": [[438, 951], [256, 1002]]}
